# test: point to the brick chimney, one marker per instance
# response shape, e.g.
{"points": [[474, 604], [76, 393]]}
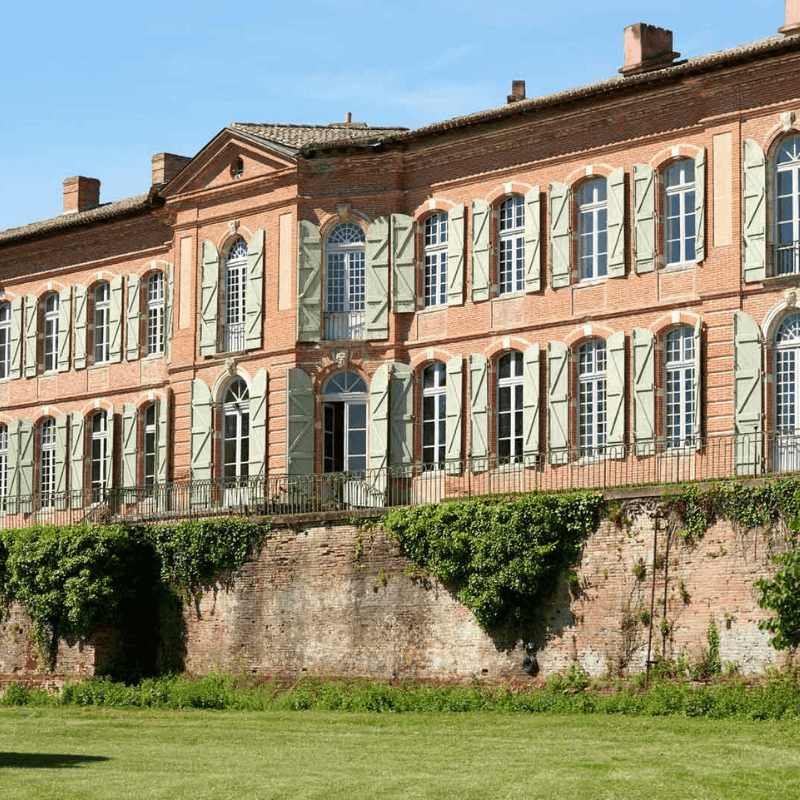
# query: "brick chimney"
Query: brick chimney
{"points": [[165, 166], [81, 194], [647, 48], [791, 24], [517, 91]]}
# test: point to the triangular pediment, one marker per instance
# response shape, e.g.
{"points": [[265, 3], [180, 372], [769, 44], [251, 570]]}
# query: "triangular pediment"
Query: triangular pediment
{"points": [[218, 165]]}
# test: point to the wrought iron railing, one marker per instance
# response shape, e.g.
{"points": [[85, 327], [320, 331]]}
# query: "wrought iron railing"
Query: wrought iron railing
{"points": [[642, 464], [786, 258]]}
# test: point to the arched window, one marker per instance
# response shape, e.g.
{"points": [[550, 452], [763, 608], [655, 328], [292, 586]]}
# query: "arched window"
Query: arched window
{"points": [[149, 443], [3, 466], [344, 414], [5, 339], [101, 323], [787, 393], [679, 387], [509, 407], [435, 259], [786, 249], [679, 212], [47, 462], [434, 415], [345, 282], [511, 245], [155, 313], [234, 296], [592, 418], [98, 454], [593, 229], [236, 434], [50, 335]]}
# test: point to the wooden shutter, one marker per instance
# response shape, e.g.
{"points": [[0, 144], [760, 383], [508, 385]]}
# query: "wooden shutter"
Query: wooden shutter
{"points": [[110, 446], [533, 241], [115, 321], [401, 440], [79, 344], [300, 423], [379, 418], [62, 425], [700, 206], [169, 311], [615, 394], [530, 405], [558, 402], [64, 320], [209, 299], [77, 449], [12, 471], [130, 449], [481, 215], [404, 296], [754, 212], [644, 231], [697, 429], [258, 424], [133, 318], [377, 279], [163, 439], [202, 431], [25, 459], [616, 224], [560, 241], [454, 389], [644, 395], [16, 338], [747, 393], [254, 292], [31, 330], [455, 256], [309, 272], [478, 412]]}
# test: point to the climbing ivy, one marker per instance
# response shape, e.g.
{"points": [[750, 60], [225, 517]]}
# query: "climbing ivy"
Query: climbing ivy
{"points": [[499, 554]]}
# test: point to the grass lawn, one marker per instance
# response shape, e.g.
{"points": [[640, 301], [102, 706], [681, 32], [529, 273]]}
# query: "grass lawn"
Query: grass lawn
{"points": [[97, 753]]}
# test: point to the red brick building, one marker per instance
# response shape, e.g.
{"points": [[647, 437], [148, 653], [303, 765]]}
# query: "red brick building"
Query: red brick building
{"points": [[594, 287]]}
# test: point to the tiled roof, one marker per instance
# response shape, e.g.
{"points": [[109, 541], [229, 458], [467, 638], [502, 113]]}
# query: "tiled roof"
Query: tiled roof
{"points": [[298, 136], [107, 211]]}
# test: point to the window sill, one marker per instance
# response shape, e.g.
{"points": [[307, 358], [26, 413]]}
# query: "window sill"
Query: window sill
{"points": [[591, 281], [432, 309], [778, 280], [682, 266], [515, 295]]}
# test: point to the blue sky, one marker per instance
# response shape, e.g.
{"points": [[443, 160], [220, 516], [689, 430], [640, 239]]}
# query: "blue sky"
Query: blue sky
{"points": [[95, 88]]}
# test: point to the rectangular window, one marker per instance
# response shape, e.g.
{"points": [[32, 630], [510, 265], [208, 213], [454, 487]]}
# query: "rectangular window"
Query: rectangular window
{"points": [[511, 251], [679, 387], [47, 472], [679, 214], [592, 398], [593, 229], [435, 259], [50, 341], [102, 311], [5, 340], [150, 445], [155, 314], [3, 466]]}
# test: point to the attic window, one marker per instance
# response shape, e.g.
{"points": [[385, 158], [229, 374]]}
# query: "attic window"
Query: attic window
{"points": [[237, 167]]}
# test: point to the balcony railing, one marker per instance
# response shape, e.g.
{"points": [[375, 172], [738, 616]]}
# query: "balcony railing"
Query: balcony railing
{"points": [[716, 457], [786, 258], [344, 324]]}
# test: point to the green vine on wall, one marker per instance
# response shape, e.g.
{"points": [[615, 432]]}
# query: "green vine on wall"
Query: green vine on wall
{"points": [[499, 553]]}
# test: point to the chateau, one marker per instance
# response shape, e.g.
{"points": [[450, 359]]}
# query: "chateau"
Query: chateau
{"points": [[591, 288]]}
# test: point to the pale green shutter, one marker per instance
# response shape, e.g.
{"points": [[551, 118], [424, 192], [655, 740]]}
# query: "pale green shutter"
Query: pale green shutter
{"points": [[454, 400], [558, 402], [115, 320], [615, 394], [377, 280], [133, 319], [254, 292], [110, 456], [616, 224], [404, 296], [77, 449], [309, 278], [300, 423], [644, 396], [697, 429], [169, 311], [747, 393], [700, 206], [130, 420], [62, 424], [754, 212], [481, 215], [401, 441], [258, 424], [16, 338], [478, 412], [455, 256], [79, 345], [163, 439], [31, 329], [12, 461], [560, 239], [533, 241], [209, 299], [379, 418], [644, 204], [530, 405], [25, 459], [202, 431], [64, 320]]}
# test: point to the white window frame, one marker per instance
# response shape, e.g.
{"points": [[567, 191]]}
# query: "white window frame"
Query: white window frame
{"points": [[434, 416], [149, 445], [5, 339], [233, 297], [50, 333], [236, 431], [510, 407], [345, 282], [786, 394], [680, 205], [593, 229], [786, 208], [592, 398], [98, 455], [101, 328], [3, 466], [47, 463], [511, 245], [679, 388], [155, 313], [434, 258]]}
